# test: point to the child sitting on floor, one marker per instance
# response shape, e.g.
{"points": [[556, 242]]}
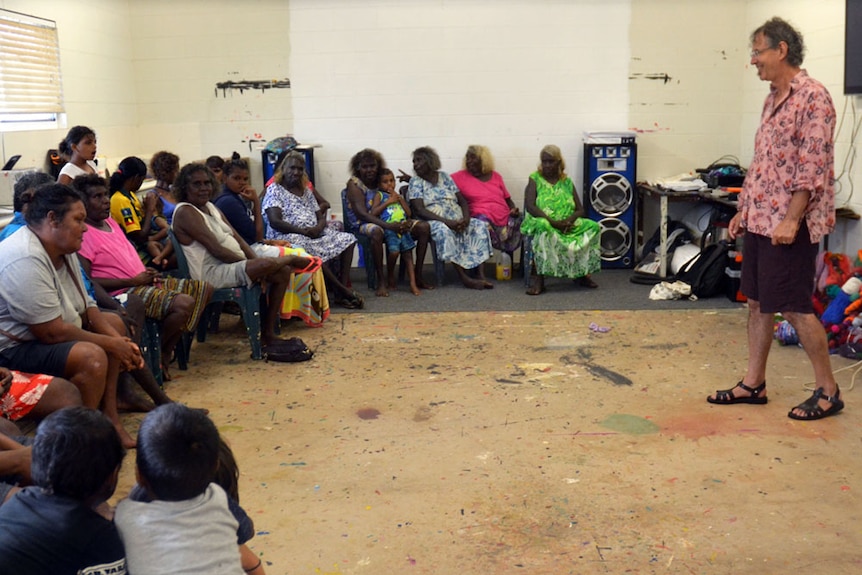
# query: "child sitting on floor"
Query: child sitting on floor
{"points": [[391, 207], [58, 525], [186, 526]]}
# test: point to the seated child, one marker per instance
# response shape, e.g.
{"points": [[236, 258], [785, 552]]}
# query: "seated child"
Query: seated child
{"points": [[186, 526], [159, 246], [391, 207], [57, 525], [227, 476]]}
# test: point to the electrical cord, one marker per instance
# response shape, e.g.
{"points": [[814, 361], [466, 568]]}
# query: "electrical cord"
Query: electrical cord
{"points": [[858, 365]]}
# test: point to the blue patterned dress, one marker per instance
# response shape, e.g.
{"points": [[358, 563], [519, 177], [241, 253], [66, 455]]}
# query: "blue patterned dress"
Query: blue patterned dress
{"points": [[302, 212], [468, 249]]}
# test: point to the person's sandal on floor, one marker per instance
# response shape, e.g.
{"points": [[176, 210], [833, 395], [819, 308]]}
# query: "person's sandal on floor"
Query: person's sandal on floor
{"points": [[812, 409], [726, 397]]}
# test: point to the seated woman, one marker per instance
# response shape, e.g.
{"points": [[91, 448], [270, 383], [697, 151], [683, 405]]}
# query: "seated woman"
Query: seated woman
{"points": [[366, 168], [565, 243], [460, 239], [112, 262], [217, 254], [489, 199], [291, 213], [48, 323], [239, 202]]}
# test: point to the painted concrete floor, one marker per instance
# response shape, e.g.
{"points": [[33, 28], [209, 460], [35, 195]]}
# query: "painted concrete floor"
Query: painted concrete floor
{"points": [[478, 443]]}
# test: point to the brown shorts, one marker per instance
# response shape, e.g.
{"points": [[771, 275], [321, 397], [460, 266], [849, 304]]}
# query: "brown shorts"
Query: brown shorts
{"points": [[780, 278]]}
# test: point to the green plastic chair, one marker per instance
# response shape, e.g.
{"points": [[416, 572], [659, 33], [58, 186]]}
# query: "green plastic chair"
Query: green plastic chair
{"points": [[247, 298]]}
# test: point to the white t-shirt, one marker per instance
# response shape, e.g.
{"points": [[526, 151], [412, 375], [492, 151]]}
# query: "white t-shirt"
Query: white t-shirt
{"points": [[74, 171], [33, 291], [192, 537]]}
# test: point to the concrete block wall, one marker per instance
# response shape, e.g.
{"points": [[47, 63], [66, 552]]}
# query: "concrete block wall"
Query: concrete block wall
{"points": [[181, 50], [397, 74], [512, 75]]}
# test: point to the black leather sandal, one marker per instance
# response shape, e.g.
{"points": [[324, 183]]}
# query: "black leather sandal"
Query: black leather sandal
{"points": [[726, 397], [813, 410]]}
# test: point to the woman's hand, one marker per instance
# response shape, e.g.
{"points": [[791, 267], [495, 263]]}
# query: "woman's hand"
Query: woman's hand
{"points": [[145, 278], [403, 176], [250, 194], [127, 352], [515, 212], [316, 231], [5, 381], [150, 202]]}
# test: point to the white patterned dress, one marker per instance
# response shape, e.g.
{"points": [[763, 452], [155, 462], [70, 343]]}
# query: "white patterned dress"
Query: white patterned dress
{"points": [[468, 249], [302, 212]]}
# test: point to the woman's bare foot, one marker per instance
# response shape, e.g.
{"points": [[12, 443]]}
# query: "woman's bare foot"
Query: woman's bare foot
{"points": [[414, 289], [422, 284], [473, 283], [537, 285], [127, 440], [382, 291], [587, 282]]}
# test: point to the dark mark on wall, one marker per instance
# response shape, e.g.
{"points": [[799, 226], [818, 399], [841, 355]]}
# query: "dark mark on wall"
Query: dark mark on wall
{"points": [[663, 77], [243, 85]]}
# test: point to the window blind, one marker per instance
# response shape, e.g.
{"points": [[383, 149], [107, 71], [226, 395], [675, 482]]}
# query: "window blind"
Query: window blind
{"points": [[30, 81]]}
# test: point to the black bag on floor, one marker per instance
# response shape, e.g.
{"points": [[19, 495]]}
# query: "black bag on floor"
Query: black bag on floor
{"points": [[288, 350], [705, 272]]}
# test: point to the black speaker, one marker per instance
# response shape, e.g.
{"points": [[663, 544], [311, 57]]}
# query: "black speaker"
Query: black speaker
{"points": [[610, 196]]}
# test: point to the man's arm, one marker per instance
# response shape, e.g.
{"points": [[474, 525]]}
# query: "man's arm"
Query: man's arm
{"points": [[785, 232]]}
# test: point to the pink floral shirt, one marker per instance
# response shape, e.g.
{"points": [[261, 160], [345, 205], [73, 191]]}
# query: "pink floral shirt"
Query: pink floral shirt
{"points": [[793, 151]]}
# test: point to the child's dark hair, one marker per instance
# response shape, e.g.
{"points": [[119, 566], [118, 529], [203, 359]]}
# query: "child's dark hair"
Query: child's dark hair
{"points": [[177, 452], [84, 182], [227, 473], [163, 164], [27, 183], [128, 168], [386, 172], [75, 135], [214, 162], [75, 451]]}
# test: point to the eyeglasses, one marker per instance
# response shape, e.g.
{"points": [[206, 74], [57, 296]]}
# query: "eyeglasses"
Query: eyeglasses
{"points": [[756, 53]]}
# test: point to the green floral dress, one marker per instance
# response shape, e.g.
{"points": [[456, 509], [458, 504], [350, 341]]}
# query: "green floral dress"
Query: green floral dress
{"points": [[571, 255]]}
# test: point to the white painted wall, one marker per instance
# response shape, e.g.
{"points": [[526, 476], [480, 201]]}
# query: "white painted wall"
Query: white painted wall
{"points": [[511, 74], [397, 74], [142, 73], [685, 81], [181, 50]]}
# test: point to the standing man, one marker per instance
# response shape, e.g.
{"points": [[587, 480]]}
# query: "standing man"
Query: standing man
{"points": [[786, 206]]}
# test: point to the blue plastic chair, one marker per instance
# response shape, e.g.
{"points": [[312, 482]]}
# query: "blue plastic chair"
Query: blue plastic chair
{"points": [[365, 244]]}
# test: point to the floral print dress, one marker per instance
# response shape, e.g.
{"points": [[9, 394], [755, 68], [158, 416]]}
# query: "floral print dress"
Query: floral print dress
{"points": [[571, 255], [468, 249], [302, 212]]}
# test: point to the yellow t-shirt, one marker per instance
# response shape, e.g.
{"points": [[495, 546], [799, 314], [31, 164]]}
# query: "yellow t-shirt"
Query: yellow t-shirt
{"points": [[127, 211]]}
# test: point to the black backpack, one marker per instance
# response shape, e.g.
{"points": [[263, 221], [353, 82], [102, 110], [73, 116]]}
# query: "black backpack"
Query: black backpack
{"points": [[705, 272]]}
